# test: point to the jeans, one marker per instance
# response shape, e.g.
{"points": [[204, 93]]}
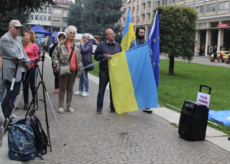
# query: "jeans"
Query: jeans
{"points": [[15, 92], [31, 83], [2, 90], [84, 80], [104, 79]]}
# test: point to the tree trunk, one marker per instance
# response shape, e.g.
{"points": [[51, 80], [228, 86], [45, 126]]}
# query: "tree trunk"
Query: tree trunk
{"points": [[171, 65]]}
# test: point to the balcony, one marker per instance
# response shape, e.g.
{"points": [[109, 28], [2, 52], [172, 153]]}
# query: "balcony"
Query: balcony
{"points": [[143, 1]]}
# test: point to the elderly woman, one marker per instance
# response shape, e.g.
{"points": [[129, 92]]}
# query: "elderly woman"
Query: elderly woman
{"points": [[86, 51], [62, 53]]}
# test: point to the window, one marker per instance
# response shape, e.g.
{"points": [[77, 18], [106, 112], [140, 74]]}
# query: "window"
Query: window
{"points": [[210, 7], [56, 20], [50, 9], [172, 1], [32, 16], [223, 5], [49, 18], [199, 9], [36, 17], [164, 2], [40, 17], [44, 17], [157, 3], [179, 0]]}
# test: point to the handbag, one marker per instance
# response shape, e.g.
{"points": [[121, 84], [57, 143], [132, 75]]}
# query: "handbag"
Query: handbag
{"points": [[64, 68], [89, 65]]}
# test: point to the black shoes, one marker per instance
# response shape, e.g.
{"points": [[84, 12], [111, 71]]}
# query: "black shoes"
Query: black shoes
{"points": [[112, 111], [99, 111], [26, 107], [148, 111]]}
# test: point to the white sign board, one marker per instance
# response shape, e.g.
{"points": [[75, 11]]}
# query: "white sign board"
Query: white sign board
{"points": [[203, 98]]}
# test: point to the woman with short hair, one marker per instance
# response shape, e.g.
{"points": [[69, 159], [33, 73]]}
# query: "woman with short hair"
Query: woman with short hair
{"points": [[66, 82], [31, 49], [86, 51]]}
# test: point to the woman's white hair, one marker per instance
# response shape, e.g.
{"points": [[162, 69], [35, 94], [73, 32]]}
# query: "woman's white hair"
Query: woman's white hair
{"points": [[70, 28], [87, 35]]}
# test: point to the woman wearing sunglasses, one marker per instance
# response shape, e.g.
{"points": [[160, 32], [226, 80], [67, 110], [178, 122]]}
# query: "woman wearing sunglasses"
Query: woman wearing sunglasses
{"points": [[61, 37]]}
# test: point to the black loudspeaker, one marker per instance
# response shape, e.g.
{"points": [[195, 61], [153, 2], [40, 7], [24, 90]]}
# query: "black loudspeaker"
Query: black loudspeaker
{"points": [[193, 121]]}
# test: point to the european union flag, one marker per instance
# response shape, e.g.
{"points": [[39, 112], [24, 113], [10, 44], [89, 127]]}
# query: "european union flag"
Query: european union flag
{"points": [[154, 44]]}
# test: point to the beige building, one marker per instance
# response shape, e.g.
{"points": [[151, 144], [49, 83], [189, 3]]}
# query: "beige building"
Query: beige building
{"points": [[213, 26], [52, 18]]}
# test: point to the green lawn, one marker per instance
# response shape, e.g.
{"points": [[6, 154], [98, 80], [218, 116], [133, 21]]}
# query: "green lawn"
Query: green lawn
{"points": [[174, 90]]}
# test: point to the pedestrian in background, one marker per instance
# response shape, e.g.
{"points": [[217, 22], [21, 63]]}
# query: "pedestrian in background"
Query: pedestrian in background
{"points": [[49, 43], [61, 37], [31, 49], [86, 51], [66, 82], [105, 50]]}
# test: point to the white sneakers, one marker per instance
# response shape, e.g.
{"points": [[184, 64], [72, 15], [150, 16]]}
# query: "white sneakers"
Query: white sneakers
{"points": [[78, 93], [13, 116], [84, 94]]}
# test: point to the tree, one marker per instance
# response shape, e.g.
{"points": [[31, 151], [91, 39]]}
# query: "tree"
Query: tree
{"points": [[23, 17], [96, 15], [74, 16], [177, 32], [23, 5]]}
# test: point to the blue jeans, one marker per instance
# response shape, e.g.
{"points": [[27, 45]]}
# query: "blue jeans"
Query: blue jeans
{"points": [[104, 79], [84, 80], [2, 90]]}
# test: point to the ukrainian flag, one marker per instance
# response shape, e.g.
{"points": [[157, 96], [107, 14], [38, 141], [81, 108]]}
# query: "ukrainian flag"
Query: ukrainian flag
{"points": [[132, 80], [128, 34]]}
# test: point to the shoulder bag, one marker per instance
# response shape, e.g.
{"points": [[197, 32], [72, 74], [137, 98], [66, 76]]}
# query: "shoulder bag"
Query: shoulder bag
{"points": [[64, 68]]}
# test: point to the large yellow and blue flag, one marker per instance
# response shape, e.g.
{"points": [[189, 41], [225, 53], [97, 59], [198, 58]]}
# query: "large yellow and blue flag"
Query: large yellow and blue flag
{"points": [[132, 80], [154, 44], [128, 34]]}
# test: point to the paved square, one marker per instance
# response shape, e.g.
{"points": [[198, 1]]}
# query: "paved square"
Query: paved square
{"points": [[136, 137]]}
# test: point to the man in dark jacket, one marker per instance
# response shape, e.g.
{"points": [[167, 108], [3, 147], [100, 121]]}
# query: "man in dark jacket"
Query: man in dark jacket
{"points": [[86, 51], [105, 50]]}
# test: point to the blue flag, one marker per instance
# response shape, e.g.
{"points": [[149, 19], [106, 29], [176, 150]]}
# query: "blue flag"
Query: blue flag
{"points": [[154, 44]]}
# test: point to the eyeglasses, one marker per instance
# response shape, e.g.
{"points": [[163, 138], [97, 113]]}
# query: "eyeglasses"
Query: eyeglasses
{"points": [[110, 34], [62, 37], [72, 33], [142, 32]]}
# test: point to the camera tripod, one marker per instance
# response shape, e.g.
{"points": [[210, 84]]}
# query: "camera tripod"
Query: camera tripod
{"points": [[32, 111]]}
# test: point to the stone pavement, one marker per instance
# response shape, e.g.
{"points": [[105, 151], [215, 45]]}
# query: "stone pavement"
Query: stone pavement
{"points": [[135, 137]]}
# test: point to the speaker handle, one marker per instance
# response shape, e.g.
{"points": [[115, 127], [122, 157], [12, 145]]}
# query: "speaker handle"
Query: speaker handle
{"points": [[207, 87]]}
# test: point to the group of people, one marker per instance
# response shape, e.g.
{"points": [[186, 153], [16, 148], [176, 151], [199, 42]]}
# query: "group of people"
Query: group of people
{"points": [[11, 47]]}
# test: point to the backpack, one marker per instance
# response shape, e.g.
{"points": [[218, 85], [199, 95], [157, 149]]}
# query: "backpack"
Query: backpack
{"points": [[40, 136], [21, 142]]}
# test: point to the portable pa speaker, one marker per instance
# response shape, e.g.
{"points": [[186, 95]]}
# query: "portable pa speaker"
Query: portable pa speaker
{"points": [[193, 121]]}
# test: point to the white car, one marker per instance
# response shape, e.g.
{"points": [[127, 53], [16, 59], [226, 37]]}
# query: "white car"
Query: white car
{"points": [[78, 38]]}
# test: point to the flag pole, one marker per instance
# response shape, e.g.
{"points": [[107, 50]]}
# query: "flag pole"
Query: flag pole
{"points": [[92, 64]]}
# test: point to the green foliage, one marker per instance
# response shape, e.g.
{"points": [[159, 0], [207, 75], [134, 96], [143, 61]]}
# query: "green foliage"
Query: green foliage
{"points": [[23, 17], [74, 16], [177, 30], [23, 5], [94, 16], [118, 39]]}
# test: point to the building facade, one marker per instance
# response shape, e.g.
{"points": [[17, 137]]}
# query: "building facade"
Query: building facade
{"points": [[52, 18], [213, 25]]}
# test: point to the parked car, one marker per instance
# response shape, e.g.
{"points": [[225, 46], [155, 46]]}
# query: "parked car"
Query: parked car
{"points": [[225, 54], [78, 38]]}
